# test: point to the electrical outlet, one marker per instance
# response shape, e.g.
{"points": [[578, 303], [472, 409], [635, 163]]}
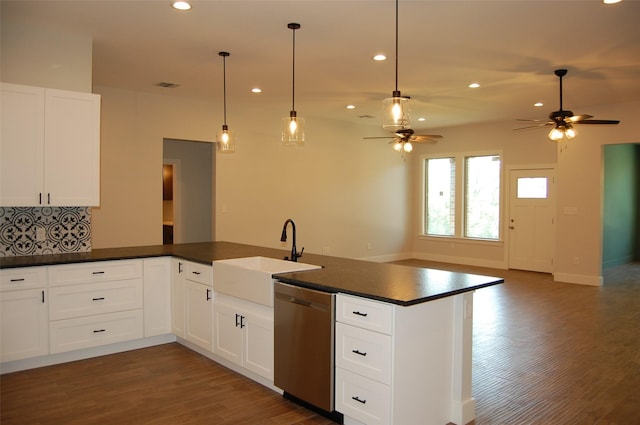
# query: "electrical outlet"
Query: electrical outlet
{"points": [[325, 250], [369, 246], [576, 260]]}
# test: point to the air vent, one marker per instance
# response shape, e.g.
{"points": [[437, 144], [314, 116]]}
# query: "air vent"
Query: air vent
{"points": [[366, 117], [167, 85]]}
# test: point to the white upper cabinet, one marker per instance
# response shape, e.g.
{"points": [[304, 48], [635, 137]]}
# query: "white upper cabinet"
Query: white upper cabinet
{"points": [[49, 147]]}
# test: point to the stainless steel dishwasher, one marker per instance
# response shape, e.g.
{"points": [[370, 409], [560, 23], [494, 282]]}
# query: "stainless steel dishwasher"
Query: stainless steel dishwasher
{"points": [[304, 340]]}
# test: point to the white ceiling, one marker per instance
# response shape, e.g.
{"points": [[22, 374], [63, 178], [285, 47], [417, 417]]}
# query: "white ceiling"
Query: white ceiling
{"points": [[510, 47]]}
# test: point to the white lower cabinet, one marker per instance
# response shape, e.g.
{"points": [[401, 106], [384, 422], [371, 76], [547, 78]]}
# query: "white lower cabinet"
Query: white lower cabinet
{"points": [[244, 334], [198, 296], [96, 330], [395, 364], [24, 322], [93, 304], [178, 317], [157, 296]]}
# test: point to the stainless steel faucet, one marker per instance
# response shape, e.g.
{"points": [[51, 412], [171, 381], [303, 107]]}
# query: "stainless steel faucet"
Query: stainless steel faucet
{"points": [[294, 253]]}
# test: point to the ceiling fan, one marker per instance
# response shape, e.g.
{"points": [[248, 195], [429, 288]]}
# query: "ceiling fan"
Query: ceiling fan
{"points": [[403, 139], [563, 120]]}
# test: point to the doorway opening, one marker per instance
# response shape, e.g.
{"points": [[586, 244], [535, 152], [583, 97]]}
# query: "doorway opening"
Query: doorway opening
{"points": [[188, 191]]}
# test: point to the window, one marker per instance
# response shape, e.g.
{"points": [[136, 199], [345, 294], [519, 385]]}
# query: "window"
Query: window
{"points": [[476, 183], [482, 197], [441, 196], [532, 188]]}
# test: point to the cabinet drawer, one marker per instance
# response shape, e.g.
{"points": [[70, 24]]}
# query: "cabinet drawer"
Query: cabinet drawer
{"points": [[200, 273], [23, 278], [367, 314], [96, 271], [362, 399], [66, 302], [92, 331], [364, 352]]}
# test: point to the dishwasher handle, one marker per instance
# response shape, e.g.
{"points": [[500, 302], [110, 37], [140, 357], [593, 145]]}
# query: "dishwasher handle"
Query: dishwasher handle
{"points": [[302, 302]]}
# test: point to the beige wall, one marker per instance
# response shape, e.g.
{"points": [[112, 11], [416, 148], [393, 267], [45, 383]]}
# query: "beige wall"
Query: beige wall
{"points": [[134, 126], [35, 57]]}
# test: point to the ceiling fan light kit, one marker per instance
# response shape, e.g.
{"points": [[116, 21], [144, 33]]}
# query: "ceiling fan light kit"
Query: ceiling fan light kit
{"points": [[225, 142], [293, 125], [562, 120]]}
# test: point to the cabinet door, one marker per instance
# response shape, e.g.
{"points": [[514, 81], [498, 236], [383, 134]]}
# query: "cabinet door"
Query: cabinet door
{"points": [[178, 297], [258, 341], [228, 332], [199, 315], [72, 148], [24, 324], [157, 296], [21, 146]]}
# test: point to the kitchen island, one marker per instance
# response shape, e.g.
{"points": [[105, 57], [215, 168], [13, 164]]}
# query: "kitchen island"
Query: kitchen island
{"points": [[423, 331]]}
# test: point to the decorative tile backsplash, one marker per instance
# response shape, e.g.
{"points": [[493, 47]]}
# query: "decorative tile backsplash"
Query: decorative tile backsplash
{"points": [[44, 230]]}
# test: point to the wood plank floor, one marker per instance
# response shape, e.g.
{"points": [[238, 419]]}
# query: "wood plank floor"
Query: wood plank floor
{"points": [[544, 353]]}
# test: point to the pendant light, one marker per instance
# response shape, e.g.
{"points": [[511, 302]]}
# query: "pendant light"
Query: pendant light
{"points": [[224, 138], [293, 125], [395, 109]]}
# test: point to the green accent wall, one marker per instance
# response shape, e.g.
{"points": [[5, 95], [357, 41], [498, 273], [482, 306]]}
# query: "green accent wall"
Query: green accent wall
{"points": [[621, 214]]}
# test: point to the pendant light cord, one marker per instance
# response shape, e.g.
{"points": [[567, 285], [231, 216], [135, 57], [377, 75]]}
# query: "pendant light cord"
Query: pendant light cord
{"points": [[396, 45], [224, 87], [293, 73], [224, 84]]}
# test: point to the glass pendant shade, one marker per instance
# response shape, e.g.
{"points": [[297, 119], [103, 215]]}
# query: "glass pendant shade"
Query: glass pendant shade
{"points": [[293, 130], [408, 147], [396, 113], [225, 141]]}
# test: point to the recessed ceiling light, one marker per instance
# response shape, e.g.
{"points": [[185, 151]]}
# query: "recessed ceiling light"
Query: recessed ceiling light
{"points": [[379, 57], [422, 119], [351, 107], [256, 90], [611, 1], [181, 5], [538, 104], [474, 85]]}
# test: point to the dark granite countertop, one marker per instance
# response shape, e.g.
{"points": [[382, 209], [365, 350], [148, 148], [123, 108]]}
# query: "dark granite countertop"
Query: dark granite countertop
{"points": [[402, 285]]}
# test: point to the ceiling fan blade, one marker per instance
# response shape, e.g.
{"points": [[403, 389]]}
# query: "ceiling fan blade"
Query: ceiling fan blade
{"points": [[425, 138], [578, 118], [380, 137], [526, 120], [533, 126], [599, 122]]}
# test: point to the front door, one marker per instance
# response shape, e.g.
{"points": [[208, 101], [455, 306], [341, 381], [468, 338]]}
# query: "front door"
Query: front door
{"points": [[532, 219]]}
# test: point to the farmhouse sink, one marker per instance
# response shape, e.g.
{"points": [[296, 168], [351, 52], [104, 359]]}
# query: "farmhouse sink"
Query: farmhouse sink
{"points": [[250, 278]]}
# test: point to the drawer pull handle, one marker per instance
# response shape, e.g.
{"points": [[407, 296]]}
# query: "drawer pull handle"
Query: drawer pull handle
{"points": [[99, 330], [357, 313], [98, 272], [17, 280], [208, 294], [98, 299], [196, 273], [359, 400], [358, 352]]}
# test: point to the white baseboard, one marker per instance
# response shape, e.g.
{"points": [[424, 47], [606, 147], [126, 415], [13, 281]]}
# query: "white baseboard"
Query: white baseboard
{"points": [[463, 412], [465, 261], [579, 279], [86, 353], [387, 258]]}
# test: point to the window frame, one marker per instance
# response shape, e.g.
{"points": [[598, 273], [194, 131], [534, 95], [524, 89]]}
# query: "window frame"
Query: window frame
{"points": [[460, 196]]}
